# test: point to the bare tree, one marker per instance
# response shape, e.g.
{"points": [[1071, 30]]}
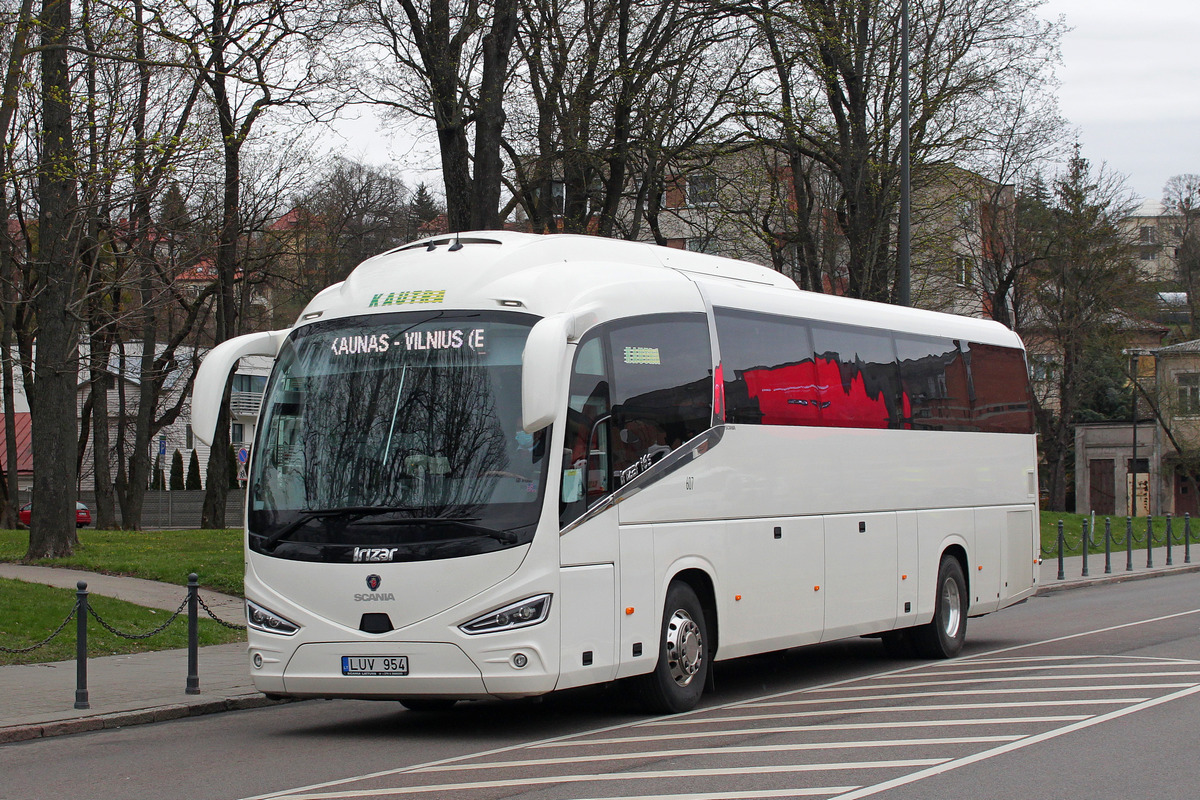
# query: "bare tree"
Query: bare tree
{"points": [[250, 57], [454, 62], [605, 90], [836, 68], [14, 62], [1181, 201]]}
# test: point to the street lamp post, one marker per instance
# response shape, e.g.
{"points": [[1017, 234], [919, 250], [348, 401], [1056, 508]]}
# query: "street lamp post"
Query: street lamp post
{"points": [[1133, 463], [903, 257]]}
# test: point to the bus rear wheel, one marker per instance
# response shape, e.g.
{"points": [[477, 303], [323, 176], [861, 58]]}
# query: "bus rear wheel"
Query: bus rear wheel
{"points": [[678, 678], [943, 637]]}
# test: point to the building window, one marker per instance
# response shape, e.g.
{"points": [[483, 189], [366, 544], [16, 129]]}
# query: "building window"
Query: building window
{"points": [[237, 433], [964, 270], [1146, 234], [1149, 254], [701, 189], [190, 443], [699, 244], [1189, 393]]}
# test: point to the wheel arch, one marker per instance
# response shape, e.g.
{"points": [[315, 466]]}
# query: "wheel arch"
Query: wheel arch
{"points": [[702, 584], [959, 552]]}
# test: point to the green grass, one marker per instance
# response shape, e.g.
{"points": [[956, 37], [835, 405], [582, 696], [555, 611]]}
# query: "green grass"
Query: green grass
{"points": [[168, 556], [30, 612], [1073, 528]]}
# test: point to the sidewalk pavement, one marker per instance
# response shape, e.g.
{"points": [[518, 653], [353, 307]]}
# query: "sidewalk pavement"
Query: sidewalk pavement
{"points": [[37, 700]]}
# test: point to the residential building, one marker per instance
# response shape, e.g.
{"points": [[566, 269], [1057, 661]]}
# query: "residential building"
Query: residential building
{"points": [[1157, 234]]}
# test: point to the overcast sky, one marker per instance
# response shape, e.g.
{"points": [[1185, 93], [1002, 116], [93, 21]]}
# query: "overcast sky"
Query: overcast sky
{"points": [[1131, 85]]}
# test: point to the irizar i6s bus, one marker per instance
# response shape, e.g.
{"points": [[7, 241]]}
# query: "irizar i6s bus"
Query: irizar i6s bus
{"points": [[499, 465]]}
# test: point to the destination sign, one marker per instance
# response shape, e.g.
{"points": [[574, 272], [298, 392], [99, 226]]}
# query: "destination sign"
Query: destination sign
{"points": [[470, 339]]}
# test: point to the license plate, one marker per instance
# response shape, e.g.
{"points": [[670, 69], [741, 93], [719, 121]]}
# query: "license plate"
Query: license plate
{"points": [[374, 665]]}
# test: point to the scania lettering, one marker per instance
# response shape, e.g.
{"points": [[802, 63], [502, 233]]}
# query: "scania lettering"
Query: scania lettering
{"points": [[500, 465]]}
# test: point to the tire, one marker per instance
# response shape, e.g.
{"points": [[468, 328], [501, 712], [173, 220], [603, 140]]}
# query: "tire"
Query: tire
{"points": [[679, 676], [427, 703], [943, 637]]}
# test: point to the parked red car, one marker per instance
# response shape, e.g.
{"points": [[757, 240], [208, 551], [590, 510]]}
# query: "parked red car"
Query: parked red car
{"points": [[83, 515]]}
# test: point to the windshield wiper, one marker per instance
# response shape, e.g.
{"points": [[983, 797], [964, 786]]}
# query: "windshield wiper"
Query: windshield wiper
{"points": [[308, 515], [504, 537]]}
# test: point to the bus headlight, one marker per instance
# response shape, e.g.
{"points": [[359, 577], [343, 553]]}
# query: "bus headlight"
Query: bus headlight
{"points": [[262, 619], [520, 614]]}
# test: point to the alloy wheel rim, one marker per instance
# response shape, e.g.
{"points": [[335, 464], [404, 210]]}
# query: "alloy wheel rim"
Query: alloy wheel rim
{"points": [[685, 647]]}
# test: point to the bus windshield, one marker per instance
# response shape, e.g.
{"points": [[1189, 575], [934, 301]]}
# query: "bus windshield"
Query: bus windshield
{"points": [[396, 437]]}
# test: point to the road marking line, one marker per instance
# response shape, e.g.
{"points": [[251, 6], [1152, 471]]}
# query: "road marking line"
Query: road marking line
{"points": [[1012, 746], [721, 751], [543, 780], [1079, 665], [839, 726], [809, 792], [1014, 679], [898, 696], [1091, 701]]}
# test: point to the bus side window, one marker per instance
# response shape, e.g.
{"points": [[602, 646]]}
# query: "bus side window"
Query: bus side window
{"points": [[662, 390]]}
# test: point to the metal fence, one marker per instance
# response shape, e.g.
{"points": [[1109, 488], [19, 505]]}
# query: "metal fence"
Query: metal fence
{"points": [[1128, 537], [82, 610], [177, 509]]}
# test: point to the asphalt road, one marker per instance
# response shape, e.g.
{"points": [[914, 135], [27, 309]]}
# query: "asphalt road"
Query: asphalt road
{"points": [[1086, 693]]}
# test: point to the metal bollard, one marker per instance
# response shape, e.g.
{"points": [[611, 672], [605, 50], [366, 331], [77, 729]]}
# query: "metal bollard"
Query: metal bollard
{"points": [[193, 673], [1170, 536], [1086, 547], [1149, 542], [81, 608], [1061, 574], [1107, 546], [1187, 538], [1129, 544]]}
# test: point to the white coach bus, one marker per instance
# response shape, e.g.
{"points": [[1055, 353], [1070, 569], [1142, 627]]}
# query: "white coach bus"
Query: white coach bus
{"points": [[498, 465]]}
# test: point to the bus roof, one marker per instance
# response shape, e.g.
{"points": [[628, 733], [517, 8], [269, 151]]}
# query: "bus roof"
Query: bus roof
{"points": [[548, 274]]}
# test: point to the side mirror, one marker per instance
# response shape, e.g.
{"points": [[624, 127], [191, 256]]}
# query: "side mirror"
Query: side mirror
{"points": [[213, 376], [542, 370]]}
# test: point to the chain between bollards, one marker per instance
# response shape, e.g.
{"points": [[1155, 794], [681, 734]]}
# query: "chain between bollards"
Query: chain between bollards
{"points": [[81, 605]]}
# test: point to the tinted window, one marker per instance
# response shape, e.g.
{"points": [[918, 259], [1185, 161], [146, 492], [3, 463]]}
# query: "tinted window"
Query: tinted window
{"points": [[933, 374], [784, 371], [768, 371], [1000, 386], [857, 378]]}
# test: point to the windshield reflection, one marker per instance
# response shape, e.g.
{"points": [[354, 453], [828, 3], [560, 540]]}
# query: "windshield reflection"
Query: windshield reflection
{"points": [[396, 429]]}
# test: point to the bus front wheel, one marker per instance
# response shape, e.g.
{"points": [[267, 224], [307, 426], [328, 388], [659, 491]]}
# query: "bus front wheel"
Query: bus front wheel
{"points": [[944, 636], [678, 678]]}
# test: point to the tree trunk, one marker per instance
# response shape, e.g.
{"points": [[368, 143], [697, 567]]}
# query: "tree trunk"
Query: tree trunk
{"points": [[53, 404]]}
